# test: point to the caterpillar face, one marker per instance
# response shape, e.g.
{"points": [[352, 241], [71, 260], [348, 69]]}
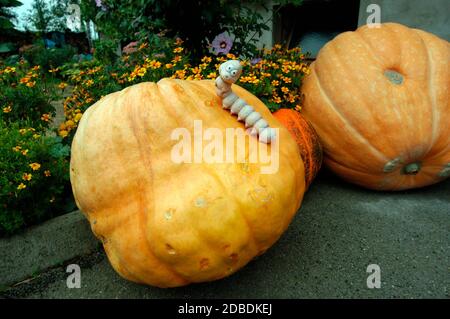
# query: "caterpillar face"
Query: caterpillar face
{"points": [[230, 71]]}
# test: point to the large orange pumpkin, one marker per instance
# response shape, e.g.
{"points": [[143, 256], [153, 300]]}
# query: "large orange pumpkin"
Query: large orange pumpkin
{"points": [[379, 100], [307, 141], [169, 224]]}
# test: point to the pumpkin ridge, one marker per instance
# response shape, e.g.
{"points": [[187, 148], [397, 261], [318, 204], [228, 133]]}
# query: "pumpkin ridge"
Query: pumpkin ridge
{"points": [[361, 138], [169, 110], [308, 160], [356, 83], [338, 162], [369, 48], [250, 229], [146, 203], [432, 94]]}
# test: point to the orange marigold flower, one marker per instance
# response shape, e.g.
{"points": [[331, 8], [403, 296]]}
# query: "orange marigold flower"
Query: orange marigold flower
{"points": [[62, 85], [24, 152], [284, 90], [196, 70], [155, 64], [180, 74], [10, 70], [142, 72], [206, 59], [7, 109], [177, 59], [31, 84], [275, 83], [143, 46], [178, 50], [212, 75], [47, 173], [77, 117], [277, 99], [26, 176], [21, 186], [35, 166], [45, 117]]}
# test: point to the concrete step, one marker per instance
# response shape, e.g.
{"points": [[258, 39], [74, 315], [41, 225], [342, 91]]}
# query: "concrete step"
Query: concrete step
{"points": [[47, 245]]}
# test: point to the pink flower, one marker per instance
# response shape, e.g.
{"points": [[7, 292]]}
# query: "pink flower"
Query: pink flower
{"points": [[222, 44], [130, 47]]}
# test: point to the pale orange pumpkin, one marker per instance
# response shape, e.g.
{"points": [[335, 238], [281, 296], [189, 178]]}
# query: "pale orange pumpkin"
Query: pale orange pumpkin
{"points": [[169, 224], [379, 100]]}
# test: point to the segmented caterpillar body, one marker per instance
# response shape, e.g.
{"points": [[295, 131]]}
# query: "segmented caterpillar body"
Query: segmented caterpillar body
{"points": [[229, 73]]}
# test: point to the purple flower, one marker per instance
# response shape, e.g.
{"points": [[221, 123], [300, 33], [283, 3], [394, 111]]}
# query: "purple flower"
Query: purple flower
{"points": [[222, 44], [255, 61], [99, 4]]}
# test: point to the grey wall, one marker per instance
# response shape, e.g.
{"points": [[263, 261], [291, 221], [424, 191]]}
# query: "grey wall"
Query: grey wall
{"points": [[429, 15]]}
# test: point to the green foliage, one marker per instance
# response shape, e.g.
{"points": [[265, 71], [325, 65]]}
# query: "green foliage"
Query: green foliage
{"points": [[105, 51], [48, 16], [198, 22], [34, 177], [49, 58], [5, 14], [26, 96]]}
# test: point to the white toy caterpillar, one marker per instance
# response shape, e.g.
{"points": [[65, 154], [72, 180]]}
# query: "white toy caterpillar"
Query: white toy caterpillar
{"points": [[229, 72]]}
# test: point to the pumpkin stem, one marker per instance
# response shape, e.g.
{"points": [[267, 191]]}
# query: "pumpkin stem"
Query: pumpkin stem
{"points": [[394, 76], [412, 169]]}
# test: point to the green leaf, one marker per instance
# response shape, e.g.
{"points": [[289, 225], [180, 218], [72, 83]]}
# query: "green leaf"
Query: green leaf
{"points": [[58, 150]]}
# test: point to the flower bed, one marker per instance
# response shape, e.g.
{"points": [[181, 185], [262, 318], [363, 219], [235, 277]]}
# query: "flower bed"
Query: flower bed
{"points": [[34, 164], [275, 77], [34, 177]]}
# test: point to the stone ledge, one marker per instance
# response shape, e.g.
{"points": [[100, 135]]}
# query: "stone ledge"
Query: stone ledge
{"points": [[44, 246]]}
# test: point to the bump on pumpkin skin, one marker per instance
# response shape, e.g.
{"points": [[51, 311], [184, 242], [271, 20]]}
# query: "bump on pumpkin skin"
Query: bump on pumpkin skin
{"points": [[137, 184]]}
